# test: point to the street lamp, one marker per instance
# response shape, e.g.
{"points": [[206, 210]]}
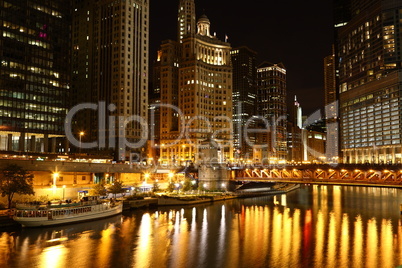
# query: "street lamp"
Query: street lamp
{"points": [[146, 177], [55, 175], [81, 134], [64, 189], [171, 175]]}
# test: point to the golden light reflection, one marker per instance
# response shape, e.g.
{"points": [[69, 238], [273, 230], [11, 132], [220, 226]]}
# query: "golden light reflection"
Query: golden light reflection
{"points": [[344, 243], [287, 235], [180, 251], [143, 254], [320, 239], [53, 256], [358, 242], [105, 247], [372, 244], [222, 237], [332, 241], [386, 245], [276, 236], [7, 244], [204, 236], [265, 235], [233, 256], [296, 239]]}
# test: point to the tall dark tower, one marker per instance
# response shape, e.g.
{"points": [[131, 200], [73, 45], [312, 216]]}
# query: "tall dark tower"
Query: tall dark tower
{"points": [[271, 105], [331, 109], [370, 82], [244, 98], [110, 65], [35, 75]]}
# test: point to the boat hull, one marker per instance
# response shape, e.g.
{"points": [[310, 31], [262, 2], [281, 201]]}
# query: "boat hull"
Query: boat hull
{"points": [[39, 222]]}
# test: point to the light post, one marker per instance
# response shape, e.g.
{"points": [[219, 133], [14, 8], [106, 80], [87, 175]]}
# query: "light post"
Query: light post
{"points": [[81, 134], [55, 175], [64, 188], [171, 175], [146, 177]]}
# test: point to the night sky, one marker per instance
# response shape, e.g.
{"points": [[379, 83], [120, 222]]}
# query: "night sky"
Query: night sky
{"points": [[297, 33]]}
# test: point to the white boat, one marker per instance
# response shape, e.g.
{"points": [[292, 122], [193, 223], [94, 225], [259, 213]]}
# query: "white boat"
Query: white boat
{"points": [[91, 208]]}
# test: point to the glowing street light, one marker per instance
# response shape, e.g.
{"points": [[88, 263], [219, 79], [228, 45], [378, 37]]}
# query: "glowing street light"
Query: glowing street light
{"points": [[171, 175], [55, 175], [64, 189], [82, 133], [146, 176]]}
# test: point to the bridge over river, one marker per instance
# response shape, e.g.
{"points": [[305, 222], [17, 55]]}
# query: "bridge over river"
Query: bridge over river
{"points": [[373, 175]]}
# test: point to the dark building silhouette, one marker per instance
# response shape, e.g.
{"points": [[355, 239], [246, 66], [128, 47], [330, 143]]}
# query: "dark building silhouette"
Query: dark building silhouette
{"points": [[110, 66], [271, 107], [244, 99]]}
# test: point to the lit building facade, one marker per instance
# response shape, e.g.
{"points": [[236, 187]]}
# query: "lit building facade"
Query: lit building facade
{"points": [[331, 108], [196, 90], [271, 106], [370, 82], [244, 99], [110, 65], [35, 75]]}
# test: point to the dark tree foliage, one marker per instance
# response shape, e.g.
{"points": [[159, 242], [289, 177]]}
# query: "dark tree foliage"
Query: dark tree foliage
{"points": [[15, 180]]}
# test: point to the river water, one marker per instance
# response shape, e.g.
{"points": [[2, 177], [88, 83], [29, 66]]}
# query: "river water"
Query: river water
{"points": [[314, 226]]}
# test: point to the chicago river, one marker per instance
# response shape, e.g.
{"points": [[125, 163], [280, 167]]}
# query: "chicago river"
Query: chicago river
{"points": [[313, 226]]}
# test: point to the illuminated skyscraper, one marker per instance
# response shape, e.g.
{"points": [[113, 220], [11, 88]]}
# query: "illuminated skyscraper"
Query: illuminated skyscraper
{"points": [[271, 106], [35, 75], [370, 82], [110, 65], [331, 108], [244, 99], [195, 77]]}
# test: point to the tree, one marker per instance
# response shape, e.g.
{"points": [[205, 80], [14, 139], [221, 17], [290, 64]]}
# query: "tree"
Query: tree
{"points": [[15, 180], [116, 188], [187, 186], [170, 187], [156, 187], [99, 189]]}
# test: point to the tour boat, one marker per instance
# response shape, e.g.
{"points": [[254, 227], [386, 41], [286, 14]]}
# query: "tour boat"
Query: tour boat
{"points": [[90, 208]]}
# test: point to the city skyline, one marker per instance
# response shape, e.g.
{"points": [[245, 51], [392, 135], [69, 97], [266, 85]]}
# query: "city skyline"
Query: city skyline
{"points": [[300, 43]]}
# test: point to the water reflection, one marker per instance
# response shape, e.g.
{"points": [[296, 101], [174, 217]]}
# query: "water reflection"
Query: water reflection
{"points": [[318, 226]]}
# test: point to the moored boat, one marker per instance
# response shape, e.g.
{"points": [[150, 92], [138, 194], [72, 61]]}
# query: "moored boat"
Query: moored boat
{"points": [[92, 208]]}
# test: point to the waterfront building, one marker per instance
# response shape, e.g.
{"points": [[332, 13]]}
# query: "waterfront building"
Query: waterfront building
{"points": [[272, 111], [35, 75], [110, 64], [370, 81], [244, 99], [195, 89]]}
